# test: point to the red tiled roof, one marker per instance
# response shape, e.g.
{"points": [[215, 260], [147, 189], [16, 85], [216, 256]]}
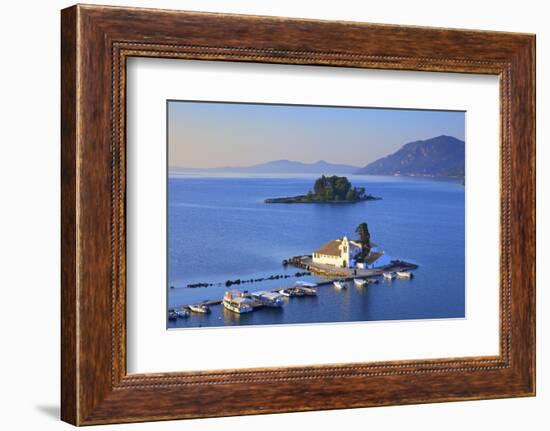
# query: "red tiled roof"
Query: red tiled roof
{"points": [[331, 248]]}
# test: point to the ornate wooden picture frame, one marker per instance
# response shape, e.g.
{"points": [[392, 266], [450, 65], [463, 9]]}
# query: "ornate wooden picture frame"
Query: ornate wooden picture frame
{"points": [[96, 41]]}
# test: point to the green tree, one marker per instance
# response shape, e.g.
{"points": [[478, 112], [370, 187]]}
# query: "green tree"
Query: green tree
{"points": [[351, 195], [334, 188], [319, 186], [364, 238], [341, 187]]}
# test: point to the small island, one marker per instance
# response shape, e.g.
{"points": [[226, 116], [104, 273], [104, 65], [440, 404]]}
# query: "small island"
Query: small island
{"points": [[333, 189]]}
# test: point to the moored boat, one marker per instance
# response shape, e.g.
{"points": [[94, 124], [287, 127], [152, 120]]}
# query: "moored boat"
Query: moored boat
{"points": [[298, 291], [286, 292], [269, 299], [200, 308], [237, 302], [360, 282], [182, 313], [309, 291], [340, 284], [172, 315], [404, 274], [389, 275]]}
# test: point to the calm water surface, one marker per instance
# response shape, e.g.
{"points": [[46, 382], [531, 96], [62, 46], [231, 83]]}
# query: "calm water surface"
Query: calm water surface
{"points": [[220, 229]]}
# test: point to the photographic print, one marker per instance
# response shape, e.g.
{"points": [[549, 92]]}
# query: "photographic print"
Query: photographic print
{"points": [[297, 214]]}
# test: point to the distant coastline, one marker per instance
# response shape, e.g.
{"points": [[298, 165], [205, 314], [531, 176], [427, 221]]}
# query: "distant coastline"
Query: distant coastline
{"points": [[438, 157], [278, 167]]}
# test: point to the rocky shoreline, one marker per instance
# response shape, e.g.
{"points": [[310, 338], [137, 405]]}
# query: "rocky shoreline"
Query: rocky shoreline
{"points": [[303, 199]]}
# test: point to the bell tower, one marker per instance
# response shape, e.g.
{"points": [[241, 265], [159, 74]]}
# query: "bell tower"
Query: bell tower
{"points": [[344, 252]]}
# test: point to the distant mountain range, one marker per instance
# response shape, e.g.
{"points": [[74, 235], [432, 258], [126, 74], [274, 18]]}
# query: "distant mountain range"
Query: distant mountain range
{"points": [[280, 167], [442, 156]]}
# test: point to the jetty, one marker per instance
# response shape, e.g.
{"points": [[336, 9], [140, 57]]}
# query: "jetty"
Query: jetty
{"points": [[306, 262], [326, 271]]}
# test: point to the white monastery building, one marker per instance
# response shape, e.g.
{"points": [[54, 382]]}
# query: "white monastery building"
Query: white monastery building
{"points": [[339, 252]]}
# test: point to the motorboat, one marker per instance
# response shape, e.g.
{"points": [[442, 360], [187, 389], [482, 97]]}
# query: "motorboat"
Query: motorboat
{"points": [[360, 282], [200, 308], [340, 284]]}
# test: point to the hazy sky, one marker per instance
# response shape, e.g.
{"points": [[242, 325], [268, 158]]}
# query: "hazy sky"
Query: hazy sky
{"points": [[207, 135]]}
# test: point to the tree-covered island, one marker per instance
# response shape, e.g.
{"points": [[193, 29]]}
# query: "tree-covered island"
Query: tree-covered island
{"points": [[331, 189]]}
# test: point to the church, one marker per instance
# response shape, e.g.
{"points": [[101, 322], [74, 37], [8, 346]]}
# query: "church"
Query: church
{"points": [[338, 252]]}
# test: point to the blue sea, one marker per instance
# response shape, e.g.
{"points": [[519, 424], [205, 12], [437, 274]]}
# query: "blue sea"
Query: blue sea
{"points": [[220, 229]]}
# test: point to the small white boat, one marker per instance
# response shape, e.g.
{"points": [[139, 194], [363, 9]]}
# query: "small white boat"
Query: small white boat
{"points": [[340, 284], [360, 282], [309, 291], [404, 274], [200, 308], [389, 275], [298, 291]]}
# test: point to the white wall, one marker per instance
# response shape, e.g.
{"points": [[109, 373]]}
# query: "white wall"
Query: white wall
{"points": [[29, 225]]}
